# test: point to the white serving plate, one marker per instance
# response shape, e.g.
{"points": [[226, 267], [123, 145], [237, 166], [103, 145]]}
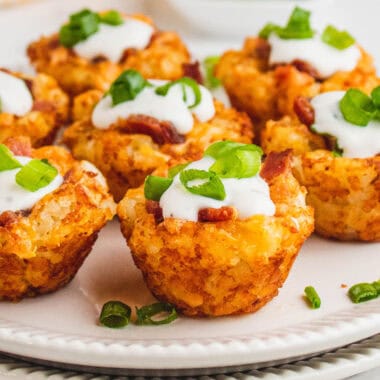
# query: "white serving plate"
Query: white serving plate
{"points": [[62, 327]]}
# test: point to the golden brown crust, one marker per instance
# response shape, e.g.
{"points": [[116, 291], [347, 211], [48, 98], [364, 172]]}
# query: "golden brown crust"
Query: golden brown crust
{"points": [[50, 110], [218, 268], [268, 93], [126, 159], [162, 58], [41, 249], [345, 192]]}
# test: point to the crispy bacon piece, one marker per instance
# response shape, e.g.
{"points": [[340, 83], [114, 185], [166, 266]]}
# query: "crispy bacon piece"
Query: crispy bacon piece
{"points": [[20, 146], [43, 106], [192, 70], [261, 50], [304, 110], [217, 214], [162, 132], [154, 208], [275, 164], [307, 68], [7, 218]]}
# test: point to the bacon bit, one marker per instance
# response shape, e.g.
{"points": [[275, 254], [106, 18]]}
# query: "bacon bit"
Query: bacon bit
{"points": [[307, 68], [304, 110], [161, 132], [217, 214], [8, 217], [192, 70], [43, 106], [154, 208], [343, 286], [275, 164], [262, 50], [98, 59], [20, 146], [53, 43]]}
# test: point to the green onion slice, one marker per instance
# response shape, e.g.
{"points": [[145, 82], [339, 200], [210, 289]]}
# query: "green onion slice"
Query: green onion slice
{"points": [[111, 17], [115, 314], [208, 183], [184, 82], [375, 95], [155, 186], [7, 160], [224, 148], [176, 169], [36, 174], [339, 39], [145, 314], [81, 25], [357, 108], [298, 26], [363, 292], [313, 297], [376, 285], [209, 64], [242, 163], [127, 86]]}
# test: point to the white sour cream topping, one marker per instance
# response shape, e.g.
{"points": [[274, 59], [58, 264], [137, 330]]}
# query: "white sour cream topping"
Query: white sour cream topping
{"points": [[171, 107], [110, 41], [250, 196], [356, 141], [15, 97], [324, 58], [14, 197]]}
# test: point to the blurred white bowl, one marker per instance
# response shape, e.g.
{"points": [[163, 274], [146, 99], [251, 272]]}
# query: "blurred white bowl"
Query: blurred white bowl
{"points": [[230, 18]]}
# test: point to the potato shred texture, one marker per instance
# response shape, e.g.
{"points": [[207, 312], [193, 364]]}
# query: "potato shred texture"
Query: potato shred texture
{"points": [[163, 58], [344, 192], [50, 110], [126, 158], [266, 92], [220, 268], [42, 249]]}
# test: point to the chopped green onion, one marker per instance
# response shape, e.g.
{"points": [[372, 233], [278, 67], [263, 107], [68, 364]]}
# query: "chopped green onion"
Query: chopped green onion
{"points": [[111, 17], [155, 186], [357, 108], [184, 82], [298, 26], [375, 95], [81, 25], [127, 86], [313, 297], [337, 153], [115, 314], [176, 169], [209, 65], [376, 285], [7, 160], [339, 39], [145, 314], [363, 292], [224, 148], [242, 163], [208, 183], [35, 175], [268, 29]]}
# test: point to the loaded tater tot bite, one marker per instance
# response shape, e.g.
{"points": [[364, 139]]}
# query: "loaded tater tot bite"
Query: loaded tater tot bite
{"points": [[51, 209], [272, 69], [336, 141], [140, 125], [92, 49], [218, 236], [31, 106]]}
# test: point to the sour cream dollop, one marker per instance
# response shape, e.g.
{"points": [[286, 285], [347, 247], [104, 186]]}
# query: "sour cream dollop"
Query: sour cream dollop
{"points": [[324, 58], [15, 97], [110, 41], [356, 141], [172, 107], [250, 196], [14, 197]]}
